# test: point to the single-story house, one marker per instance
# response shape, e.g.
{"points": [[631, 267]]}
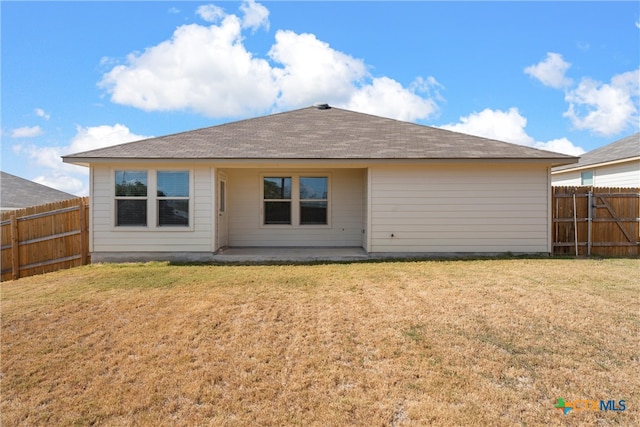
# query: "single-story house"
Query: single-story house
{"points": [[318, 177], [18, 193], [614, 165]]}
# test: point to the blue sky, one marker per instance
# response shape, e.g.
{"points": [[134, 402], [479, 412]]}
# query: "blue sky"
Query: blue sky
{"points": [[562, 76]]}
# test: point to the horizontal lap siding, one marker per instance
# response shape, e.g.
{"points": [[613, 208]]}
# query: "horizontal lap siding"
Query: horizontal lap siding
{"points": [[625, 174], [566, 179], [347, 207], [107, 238], [460, 208], [620, 175]]}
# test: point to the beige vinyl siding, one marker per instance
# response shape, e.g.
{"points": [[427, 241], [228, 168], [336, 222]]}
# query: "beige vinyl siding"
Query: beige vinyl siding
{"points": [[618, 175], [366, 211], [108, 238], [346, 207], [624, 174], [460, 208], [101, 209], [566, 179]]}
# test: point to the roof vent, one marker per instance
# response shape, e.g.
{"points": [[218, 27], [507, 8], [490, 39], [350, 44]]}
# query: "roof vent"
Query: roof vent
{"points": [[321, 106]]}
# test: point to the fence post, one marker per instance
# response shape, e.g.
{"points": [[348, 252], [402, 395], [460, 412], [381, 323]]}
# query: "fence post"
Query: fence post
{"points": [[575, 223], [589, 219], [15, 248], [84, 247]]}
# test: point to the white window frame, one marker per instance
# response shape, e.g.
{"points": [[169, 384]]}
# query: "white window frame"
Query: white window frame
{"points": [[152, 200], [582, 178], [295, 198], [117, 198], [289, 200], [158, 199]]}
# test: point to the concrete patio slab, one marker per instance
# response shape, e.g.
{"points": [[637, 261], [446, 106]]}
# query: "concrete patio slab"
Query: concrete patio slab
{"points": [[290, 254]]}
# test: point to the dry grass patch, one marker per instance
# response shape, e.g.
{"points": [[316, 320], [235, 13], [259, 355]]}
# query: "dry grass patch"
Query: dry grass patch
{"points": [[491, 342]]}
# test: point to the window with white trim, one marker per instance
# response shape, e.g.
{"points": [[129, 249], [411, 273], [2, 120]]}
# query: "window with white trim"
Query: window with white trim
{"points": [[131, 198], [586, 178], [313, 200], [277, 199], [152, 198], [293, 199], [173, 198]]}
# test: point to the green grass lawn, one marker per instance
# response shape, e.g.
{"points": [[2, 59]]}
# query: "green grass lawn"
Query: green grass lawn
{"points": [[481, 342]]}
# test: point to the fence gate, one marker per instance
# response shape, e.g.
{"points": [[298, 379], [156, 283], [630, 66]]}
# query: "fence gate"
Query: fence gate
{"points": [[596, 221], [44, 238]]}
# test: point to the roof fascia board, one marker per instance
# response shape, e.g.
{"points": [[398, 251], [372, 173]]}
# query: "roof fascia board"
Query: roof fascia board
{"points": [[325, 162], [596, 165]]}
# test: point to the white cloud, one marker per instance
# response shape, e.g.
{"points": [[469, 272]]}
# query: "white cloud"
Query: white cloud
{"points": [[71, 178], [203, 69], [495, 124], [94, 137], [388, 98], [64, 182], [560, 145], [313, 71], [551, 71], [210, 13], [605, 109], [41, 113], [26, 132], [508, 126], [208, 70], [255, 15]]}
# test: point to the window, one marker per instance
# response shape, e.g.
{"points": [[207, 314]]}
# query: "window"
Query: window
{"points": [[131, 198], [223, 197], [313, 200], [586, 178], [277, 200], [152, 199], [173, 198], [295, 200]]}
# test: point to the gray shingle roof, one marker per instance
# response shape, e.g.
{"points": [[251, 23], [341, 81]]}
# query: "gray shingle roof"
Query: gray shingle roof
{"points": [[621, 149], [16, 193], [312, 133]]}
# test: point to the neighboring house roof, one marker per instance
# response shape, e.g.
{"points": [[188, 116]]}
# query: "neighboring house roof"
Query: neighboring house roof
{"points": [[17, 193], [319, 132], [625, 148]]}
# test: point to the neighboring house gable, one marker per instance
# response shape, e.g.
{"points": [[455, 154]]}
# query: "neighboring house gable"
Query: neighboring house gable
{"points": [[17, 193], [613, 165], [319, 177]]}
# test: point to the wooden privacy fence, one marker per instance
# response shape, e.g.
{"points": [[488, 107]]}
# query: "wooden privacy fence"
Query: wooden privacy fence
{"points": [[596, 221], [45, 238]]}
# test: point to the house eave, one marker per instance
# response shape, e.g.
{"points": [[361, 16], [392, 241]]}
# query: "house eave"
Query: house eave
{"points": [[595, 165], [342, 162]]}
